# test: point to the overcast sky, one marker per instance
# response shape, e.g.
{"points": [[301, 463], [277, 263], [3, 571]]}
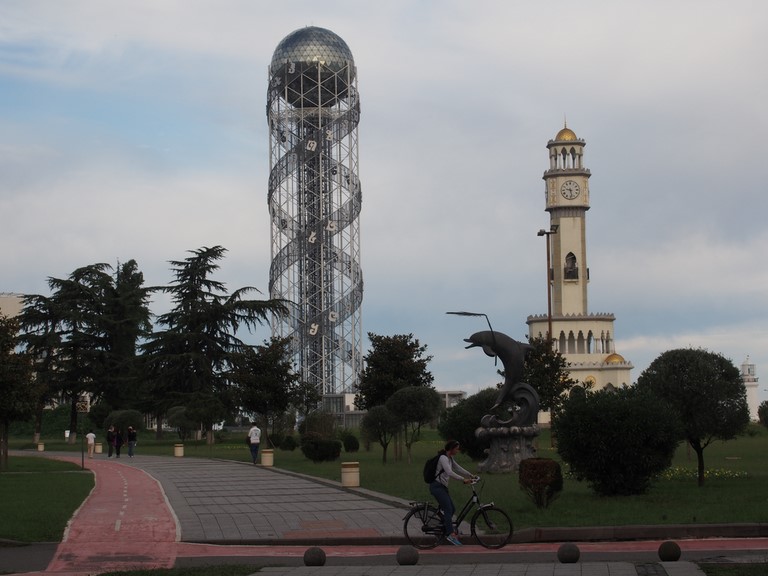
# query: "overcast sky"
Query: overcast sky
{"points": [[138, 130]]}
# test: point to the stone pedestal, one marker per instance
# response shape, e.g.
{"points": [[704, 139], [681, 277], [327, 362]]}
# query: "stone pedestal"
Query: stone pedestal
{"points": [[509, 446]]}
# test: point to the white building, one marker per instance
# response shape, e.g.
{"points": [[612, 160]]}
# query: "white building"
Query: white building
{"points": [[749, 376]]}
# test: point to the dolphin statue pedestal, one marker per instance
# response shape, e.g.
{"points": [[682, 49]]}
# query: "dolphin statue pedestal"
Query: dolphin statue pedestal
{"points": [[510, 445]]}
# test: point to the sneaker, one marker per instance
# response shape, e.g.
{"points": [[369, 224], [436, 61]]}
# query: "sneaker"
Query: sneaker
{"points": [[453, 540]]}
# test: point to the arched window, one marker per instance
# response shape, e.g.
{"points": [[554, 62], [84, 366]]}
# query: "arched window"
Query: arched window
{"points": [[571, 270]]}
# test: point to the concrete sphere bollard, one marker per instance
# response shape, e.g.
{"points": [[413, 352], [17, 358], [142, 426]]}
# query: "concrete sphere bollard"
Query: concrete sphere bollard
{"points": [[568, 553], [314, 557], [669, 551], [407, 556]]}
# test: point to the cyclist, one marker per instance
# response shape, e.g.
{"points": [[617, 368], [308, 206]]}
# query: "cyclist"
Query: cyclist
{"points": [[448, 468]]}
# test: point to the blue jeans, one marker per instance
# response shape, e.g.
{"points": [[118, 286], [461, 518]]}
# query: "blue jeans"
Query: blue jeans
{"points": [[254, 451], [440, 492]]}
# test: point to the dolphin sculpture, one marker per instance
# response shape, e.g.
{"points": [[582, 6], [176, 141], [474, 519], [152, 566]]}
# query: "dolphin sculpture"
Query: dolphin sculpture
{"points": [[512, 355]]}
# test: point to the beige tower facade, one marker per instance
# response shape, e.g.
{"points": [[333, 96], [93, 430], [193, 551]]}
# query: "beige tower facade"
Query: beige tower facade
{"points": [[11, 304], [585, 338]]}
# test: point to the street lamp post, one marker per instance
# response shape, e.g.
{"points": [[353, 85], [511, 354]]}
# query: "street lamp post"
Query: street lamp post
{"points": [[552, 230]]}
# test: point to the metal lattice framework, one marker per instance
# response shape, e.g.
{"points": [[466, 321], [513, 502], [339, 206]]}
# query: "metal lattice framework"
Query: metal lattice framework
{"points": [[314, 202]]}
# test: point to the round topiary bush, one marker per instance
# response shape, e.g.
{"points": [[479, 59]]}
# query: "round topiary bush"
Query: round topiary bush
{"points": [[314, 557], [319, 449], [351, 443], [288, 443], [407, 556], [568, 553], [669, 551]]}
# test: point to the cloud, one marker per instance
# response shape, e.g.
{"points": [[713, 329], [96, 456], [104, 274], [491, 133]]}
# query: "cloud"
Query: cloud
{"points": [[139, 131]]}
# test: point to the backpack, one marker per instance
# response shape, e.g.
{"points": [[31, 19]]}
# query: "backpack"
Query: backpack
{"points": [[430, 468]]}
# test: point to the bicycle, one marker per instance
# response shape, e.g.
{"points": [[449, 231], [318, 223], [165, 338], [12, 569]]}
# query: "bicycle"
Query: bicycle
{"points": [[490, 525]]}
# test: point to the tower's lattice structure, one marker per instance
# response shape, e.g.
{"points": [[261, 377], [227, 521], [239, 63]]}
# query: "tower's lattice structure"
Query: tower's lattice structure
{"points": [[313, 109]]}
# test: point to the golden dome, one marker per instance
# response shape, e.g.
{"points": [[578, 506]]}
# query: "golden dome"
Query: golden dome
{"points": [[566, 135], [614, 359]]}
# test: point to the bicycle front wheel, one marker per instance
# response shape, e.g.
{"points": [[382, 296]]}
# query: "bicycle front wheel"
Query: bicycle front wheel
{"points": [[423, 526], [492, 527]]}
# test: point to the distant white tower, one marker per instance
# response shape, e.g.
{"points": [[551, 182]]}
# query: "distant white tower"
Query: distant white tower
{"points": [[749, 377], [314, 201], [586, 339]]}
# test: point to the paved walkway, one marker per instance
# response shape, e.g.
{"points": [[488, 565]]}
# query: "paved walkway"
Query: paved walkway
{"points": [[159, 512]]}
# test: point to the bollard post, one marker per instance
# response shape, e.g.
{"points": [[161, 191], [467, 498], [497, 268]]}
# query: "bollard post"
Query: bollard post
{"points": [[350, 474]]}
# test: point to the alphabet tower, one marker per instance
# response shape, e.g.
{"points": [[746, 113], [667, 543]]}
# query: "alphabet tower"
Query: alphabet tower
{"points": [[313, 110]]}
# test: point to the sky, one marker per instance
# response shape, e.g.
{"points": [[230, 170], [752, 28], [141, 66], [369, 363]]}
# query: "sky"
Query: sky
{"points": [[138, 130]]}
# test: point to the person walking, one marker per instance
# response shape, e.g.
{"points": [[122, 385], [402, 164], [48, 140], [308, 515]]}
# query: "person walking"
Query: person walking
{"points": [[131, 441], [110, 441], [90, 438], [448, 468], [119, 441], [254, 435]]}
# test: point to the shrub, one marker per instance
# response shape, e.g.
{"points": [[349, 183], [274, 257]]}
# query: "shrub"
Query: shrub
{"points": [[762, 413], [319, 449], [541, 479], [288, 443], [461, 421], [351, 443], [617, 440]]}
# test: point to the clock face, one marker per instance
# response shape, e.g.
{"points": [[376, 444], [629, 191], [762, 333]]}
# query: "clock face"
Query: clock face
{"points": [[570, 189]]}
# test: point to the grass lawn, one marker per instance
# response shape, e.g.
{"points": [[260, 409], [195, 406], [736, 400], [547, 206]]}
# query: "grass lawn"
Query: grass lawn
{"points": [[39, 497]]}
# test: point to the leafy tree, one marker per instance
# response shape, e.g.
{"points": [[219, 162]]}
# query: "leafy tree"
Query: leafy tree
{"points": [[126, 321], [617, 440], [762, 413], [706, 391], [18, 394], [83, 337], [306, 398], [381, 425], [393, 362], [266, 382], [77, 313], [178, 418], [191, 357], [460, 422], [547, 371], [40, 337], [414, 406]]}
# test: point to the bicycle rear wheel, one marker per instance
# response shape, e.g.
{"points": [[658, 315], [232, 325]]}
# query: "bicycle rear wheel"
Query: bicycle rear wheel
{"points": [[423, 526], [492, 527]]}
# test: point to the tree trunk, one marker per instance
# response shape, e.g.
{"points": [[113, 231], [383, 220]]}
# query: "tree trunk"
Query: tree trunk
{"points": [[700, 461], [158, 426], [5, 430], [38, 422], [72, 420]]}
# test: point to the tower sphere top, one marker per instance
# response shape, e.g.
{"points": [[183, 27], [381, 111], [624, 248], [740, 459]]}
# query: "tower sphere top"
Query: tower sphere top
{"points": [[315, 65], [312, 44]]}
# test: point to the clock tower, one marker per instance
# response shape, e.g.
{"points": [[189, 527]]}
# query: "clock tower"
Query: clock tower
{"points": [[585, 338], [567, 201]]}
